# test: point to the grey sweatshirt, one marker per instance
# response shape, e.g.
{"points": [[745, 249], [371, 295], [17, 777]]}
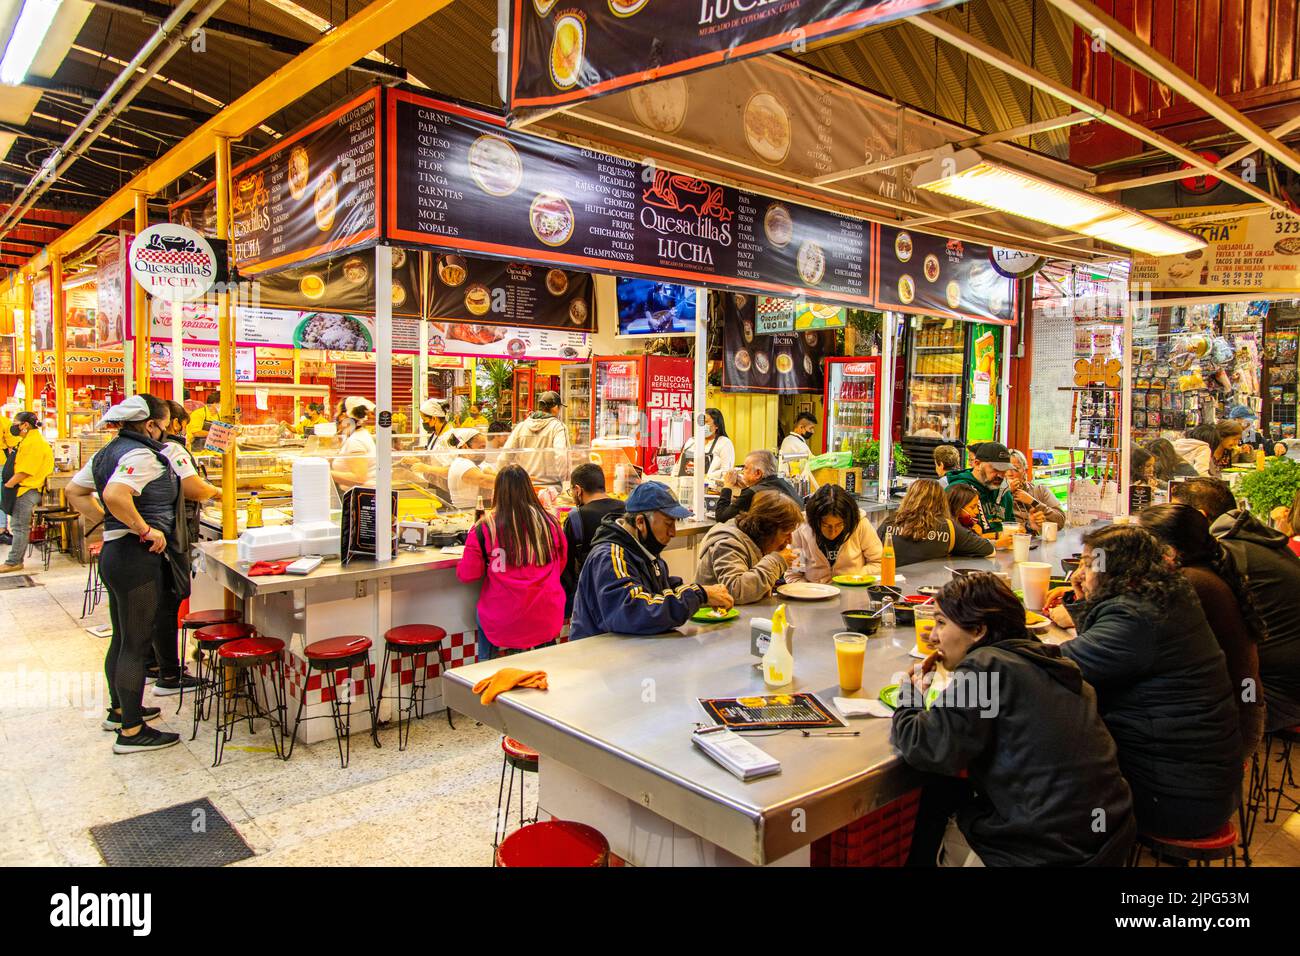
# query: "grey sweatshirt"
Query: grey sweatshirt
{"points": [[730, 557]]}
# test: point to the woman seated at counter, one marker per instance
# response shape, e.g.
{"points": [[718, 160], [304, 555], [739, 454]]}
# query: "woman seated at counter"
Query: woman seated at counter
{"points": [[355, 463], [719, 452], [466, 476], [750, 553], [518, 552], [1145, 644], [1002, 717], [835, 539], [924, 529]]}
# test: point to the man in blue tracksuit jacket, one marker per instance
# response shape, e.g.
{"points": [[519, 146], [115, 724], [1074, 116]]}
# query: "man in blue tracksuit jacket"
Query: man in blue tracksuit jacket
{"points": [[624, 587]]}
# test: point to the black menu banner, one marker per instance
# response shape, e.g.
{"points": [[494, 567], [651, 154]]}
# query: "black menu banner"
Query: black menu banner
{"points": [[580, 49], [492, 292], [785, 362], [344, 283], [458, 180], [360, 522], [311, 194], [931, 275]]}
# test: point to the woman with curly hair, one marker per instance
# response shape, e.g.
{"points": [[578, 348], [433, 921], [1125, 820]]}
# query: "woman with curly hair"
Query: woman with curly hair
{"points": [[1162, 682], [1213, 575]]}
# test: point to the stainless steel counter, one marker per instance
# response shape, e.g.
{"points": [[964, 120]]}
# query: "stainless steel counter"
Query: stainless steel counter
{"points": [[221, 561], [620, 711]]}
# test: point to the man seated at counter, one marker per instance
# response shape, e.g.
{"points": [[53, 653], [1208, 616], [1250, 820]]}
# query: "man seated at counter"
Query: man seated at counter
{"points": [[946, 459], [625, 587], [758, 474], [467, 477], [990, 464], [541, 441], [355, 464], [1033, 503], [1008, 705], [591, 505]]}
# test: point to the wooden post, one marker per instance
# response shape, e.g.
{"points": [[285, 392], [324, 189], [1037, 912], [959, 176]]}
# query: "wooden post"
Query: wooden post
{"points": [[61, 404], [226, 339]]}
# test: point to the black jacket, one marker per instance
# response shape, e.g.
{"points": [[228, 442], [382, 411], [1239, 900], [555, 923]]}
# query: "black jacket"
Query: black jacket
{"points": [[580, 528], [728, 509], [943, 539], [1163, 690], [1272, 576], [1022, 721]]}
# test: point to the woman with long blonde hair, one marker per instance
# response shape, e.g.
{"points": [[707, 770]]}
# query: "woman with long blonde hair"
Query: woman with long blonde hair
{"points": [[924, 528]]}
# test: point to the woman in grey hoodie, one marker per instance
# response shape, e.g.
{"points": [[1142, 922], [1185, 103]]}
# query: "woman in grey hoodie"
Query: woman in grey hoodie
{"points": [[750, 553]]}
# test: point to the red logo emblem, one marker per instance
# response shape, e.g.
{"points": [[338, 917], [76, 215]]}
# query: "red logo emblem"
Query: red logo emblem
{"points": [[678, 193]]}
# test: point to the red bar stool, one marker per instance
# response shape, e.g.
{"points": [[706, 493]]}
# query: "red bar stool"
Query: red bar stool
{"points": [[94, 590], [195, 621], [330, 656], [208, 641], [249, 656], [1219, 845], [554, 843], [411, 640], [517, 757]]}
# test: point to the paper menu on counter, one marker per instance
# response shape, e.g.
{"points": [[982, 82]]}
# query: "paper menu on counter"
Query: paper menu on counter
{"points": [[735, 754]]}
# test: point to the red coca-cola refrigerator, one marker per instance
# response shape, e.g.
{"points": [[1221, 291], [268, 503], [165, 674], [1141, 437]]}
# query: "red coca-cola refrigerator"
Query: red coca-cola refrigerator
{"points": [[851, 403], [646, 400]]}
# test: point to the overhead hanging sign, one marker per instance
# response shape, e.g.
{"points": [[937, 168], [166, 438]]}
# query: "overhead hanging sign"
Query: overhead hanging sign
{"points": [[931, 275], [499, 341], [1257, 252], [579, 49], [1014, 264], [458, 180], [492, 292], [110, 293], [783, 362], [173, 262]]}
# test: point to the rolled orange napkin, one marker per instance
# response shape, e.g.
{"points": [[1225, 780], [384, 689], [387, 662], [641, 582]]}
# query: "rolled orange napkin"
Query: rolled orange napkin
{"points": [[508, 678]]}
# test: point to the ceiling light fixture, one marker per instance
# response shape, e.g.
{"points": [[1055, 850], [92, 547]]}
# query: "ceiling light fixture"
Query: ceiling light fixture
{"points": [[968, 176], [29, 32]]}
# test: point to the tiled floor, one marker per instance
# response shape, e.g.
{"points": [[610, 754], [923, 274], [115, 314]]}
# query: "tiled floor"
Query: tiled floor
{"points": [[432, 804]]}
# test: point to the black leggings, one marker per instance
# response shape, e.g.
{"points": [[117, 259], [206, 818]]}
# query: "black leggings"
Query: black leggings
{"points": [[138, 587]]}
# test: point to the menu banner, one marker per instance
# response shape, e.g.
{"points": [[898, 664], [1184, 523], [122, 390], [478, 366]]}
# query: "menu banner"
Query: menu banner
{"points": [[492, 292], [1256, 251], [784, 362], [343, 283], [499, 341], [460, 181], [313, 193], [43, 312], [586, 48], [110, 294], [283, 328], [199, 364], [930, 275]]}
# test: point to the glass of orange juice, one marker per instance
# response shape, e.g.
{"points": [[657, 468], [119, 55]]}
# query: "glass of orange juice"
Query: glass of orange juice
{"points": [[850, 652], [924, 628]]}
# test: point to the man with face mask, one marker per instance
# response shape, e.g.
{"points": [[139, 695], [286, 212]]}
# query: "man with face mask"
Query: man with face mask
{"points": [[795, 444], [434, 415], [990, 463], [24, 476], [624, 587]]}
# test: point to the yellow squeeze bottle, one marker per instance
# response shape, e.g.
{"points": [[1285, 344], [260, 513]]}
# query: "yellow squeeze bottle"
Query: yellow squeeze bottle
{"points": [[778, 662]]}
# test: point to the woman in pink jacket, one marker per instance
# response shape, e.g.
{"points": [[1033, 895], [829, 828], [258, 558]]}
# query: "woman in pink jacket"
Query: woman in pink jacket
{"points": [[518, 551]]}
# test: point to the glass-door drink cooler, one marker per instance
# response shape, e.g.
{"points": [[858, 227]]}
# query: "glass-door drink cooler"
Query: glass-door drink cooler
{"points": [[936, 375], [851, 403], [646, 401], [575, 392]]}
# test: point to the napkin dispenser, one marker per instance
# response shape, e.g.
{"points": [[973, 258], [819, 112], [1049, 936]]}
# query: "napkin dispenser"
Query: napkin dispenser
{"points": [[760, 635]]}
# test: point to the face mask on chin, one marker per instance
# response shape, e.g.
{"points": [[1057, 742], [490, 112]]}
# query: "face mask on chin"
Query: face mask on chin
{"points": [[649, 541]]}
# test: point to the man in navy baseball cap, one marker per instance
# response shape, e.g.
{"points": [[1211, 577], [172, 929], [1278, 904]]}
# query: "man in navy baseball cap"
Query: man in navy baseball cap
{"points": [[625, 587]]}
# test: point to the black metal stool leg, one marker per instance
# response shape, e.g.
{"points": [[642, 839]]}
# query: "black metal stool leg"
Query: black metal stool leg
{"points": [[370, 698], [383, 677], [302, 699], [444, 665]]}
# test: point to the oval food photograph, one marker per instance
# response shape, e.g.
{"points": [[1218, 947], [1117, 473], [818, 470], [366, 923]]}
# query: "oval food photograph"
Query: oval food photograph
{"points": [[777, 225], [312, 286], [327, 195], [355, 271], [452, 270], [299, 172], [557, 282], [578, 311], [566, 51], [767, 128], [494, 164], [812, 263], [660, 106], [478, 299], [551, 218]]}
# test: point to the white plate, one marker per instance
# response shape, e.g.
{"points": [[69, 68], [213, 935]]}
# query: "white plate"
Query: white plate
{"points": [[808, 591], [1040, 626]]}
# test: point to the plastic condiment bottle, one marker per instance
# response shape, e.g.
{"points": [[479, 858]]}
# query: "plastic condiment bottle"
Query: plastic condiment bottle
{"points": [[778, 662], [478, 510], [887, 566], [254, 512]]}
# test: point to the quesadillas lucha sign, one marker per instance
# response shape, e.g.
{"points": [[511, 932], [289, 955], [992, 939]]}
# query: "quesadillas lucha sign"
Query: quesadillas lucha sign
{"points": [[173, 262]]}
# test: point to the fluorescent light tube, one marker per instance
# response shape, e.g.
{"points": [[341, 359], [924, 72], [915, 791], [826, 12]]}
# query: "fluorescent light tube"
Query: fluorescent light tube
{"points": [[969, 177], [29, 33]]}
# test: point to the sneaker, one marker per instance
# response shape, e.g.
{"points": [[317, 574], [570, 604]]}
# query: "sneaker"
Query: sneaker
{"points": [[151, 673], [114, 721], [146, 739], [167, 688], [10, 568]]}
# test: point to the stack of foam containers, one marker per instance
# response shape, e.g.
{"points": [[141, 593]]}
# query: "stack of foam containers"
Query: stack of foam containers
{"points": [[312, 527]]}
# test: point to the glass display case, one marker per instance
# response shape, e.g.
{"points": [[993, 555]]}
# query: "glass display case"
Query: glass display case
{"points": [[575, 392], [936, 366]]}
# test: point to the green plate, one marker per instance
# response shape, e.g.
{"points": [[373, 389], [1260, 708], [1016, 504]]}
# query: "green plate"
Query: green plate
{"points": [[707, 616], [854, 580], [889, 696]]}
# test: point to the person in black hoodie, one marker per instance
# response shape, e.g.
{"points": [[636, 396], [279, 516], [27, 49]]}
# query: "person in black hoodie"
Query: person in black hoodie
{"points": [[1004, 716], [759, 474], [1162, 683], [591, 506]]}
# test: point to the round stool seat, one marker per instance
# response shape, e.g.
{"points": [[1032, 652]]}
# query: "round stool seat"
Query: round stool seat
{"points": [[513, 748], [96, 549], [415, 636], [1224, 838], [554, 843], [251, 650], [215, 634], [337, 648], [197, 619]]}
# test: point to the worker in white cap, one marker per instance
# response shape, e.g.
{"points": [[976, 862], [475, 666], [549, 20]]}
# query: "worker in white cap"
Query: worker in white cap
{"points": [[433, 412], [468, 478], [355, 464]]}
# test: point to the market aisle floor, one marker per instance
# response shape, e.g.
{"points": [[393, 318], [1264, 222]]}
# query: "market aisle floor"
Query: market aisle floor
{"points": [[431, 805]]}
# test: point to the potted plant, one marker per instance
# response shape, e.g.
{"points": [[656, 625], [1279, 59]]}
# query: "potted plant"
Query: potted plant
{"points": [[867, 458]]}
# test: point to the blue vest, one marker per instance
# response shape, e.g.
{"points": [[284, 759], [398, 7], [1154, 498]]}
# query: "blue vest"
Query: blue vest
{"points": [[157, 502]]}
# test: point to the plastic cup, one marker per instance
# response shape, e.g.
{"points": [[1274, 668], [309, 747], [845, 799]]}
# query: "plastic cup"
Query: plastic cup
{"points": [[1012, 527], [850, 652], [1035, 576], [924, 627], [1020, 547], [1049, 531]]}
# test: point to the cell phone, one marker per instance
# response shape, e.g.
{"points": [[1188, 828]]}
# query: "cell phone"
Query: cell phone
{"points": [[305, 565]]}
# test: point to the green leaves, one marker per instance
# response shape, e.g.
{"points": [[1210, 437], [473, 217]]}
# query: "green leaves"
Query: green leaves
{"points": [[1275, 485]]}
